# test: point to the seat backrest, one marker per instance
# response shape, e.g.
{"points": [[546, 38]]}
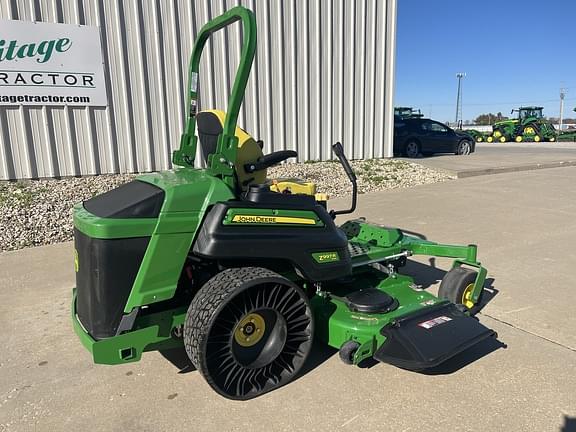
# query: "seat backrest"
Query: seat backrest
{"points": [[209, 125]]}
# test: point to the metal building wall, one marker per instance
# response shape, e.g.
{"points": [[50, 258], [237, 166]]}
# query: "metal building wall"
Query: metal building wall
{"points": [[324, 72]]}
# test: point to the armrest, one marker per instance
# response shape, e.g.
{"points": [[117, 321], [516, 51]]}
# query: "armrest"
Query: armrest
{"points": [[269, 160]]}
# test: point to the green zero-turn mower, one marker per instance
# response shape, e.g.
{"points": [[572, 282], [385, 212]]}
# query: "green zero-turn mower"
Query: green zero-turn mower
{"points": [[244, 271]]}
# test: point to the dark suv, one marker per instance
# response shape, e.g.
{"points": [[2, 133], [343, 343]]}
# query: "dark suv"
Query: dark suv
{"points": [[416, 136]]}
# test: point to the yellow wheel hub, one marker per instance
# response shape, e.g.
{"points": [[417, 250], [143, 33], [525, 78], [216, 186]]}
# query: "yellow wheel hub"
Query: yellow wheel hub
{"points": [[552, 139], [489, 139], [467, 296], [537, 138], [519, 138], [249, 330], [502, 139], [497, 134]]}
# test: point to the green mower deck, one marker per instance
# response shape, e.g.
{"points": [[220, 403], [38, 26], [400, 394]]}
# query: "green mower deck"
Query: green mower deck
{"points": [[245, 272]]}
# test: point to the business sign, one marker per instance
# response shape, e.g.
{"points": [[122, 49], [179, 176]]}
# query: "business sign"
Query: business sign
{"points": [[50, 64]]}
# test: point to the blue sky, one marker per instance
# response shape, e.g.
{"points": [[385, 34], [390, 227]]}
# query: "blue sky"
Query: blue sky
{"points": [[506, 63]]}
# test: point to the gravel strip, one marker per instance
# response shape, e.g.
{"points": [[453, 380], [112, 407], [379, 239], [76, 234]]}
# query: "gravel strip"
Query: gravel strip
{"points": [[39, 212]]}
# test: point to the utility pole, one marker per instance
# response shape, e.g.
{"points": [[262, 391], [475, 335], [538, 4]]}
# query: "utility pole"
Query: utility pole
{"points": [[562, 93], [459, 75]]}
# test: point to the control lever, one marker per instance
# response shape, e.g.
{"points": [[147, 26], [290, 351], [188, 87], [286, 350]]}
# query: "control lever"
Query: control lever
{"points": [[339, 152]]}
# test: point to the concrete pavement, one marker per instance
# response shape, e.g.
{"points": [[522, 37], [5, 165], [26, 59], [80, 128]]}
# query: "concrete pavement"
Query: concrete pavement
{"points": [[498, 158], [525, 227]]}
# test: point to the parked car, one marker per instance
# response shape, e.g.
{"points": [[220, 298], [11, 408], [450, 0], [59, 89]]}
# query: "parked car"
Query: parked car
{"points": [[416, 136]]}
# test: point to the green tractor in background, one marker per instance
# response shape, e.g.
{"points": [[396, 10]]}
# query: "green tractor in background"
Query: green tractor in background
{"points": [[477, 135], [407, 112], [567, 135], [530, 125]]}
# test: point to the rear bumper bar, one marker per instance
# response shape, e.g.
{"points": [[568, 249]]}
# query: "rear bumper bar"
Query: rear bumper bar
{"points": [[153, 331]]}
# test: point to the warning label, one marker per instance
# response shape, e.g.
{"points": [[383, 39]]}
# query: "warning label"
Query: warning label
{"points": [[434, 322]]}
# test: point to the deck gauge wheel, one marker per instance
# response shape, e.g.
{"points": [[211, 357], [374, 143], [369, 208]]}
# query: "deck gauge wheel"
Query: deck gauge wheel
{"points": [[457, 286]]}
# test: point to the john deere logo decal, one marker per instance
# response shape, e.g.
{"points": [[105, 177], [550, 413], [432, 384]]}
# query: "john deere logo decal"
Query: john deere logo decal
{"points": [[255, 219]]}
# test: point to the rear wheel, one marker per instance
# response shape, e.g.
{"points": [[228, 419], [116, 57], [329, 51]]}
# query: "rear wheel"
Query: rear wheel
{"points": [[464, 148], [457, 286], [537, 138], [412, 149], [248, 331], [552, 139], [518, 138], [502, 139], [490, 139]]}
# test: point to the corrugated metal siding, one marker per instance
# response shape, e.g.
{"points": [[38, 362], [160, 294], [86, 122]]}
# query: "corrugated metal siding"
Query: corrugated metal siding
{"points": [[324, 72]]}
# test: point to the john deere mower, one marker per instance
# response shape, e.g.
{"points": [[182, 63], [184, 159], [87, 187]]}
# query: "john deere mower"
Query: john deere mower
{"points": [[244, 271], [530, 125]]}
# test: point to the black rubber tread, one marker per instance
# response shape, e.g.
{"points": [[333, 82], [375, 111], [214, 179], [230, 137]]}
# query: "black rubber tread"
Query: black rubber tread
{"points": [[406, 146], [347, 351], [454, 283], [211, 299]]}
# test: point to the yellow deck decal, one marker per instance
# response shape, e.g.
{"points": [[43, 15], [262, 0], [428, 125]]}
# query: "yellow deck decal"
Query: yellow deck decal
{"points": [[248, 219]]}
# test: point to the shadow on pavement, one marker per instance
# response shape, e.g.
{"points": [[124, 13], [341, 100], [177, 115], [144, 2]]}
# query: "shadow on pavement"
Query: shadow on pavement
{"points": [[488, 293], [467, 357], [424, 275], [179, 358], [319, 354]]}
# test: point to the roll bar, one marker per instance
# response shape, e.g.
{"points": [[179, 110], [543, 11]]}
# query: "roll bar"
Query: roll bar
{"points": [[222, 161]]}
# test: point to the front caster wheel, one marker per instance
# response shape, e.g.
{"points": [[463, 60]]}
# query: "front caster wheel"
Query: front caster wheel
{"points": [[248, 331], [347, 351], [457, 286]]}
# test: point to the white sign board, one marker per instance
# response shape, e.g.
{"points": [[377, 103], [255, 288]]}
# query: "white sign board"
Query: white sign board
{"points": [[50, 64]]}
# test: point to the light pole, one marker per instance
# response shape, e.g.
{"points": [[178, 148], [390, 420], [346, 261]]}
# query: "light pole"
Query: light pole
{"points": [[459, 75], [562, 93]]}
